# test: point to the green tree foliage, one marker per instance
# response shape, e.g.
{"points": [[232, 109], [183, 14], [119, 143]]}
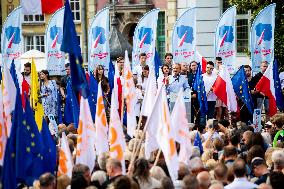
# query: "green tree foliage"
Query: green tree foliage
{"points": [[255, 6]]}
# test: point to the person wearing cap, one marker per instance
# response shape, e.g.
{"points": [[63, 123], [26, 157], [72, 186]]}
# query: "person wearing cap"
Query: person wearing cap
{"points": [[260, 170]]}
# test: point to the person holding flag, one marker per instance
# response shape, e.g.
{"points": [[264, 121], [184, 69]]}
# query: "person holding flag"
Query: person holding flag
{"points": [[209, 78]]}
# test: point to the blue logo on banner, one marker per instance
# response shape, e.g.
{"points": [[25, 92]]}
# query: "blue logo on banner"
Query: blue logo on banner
{"points": [[264, 31], [56, 34], [185, 33], [145, 36], [227, 34], [99, 35], [13, 35]]}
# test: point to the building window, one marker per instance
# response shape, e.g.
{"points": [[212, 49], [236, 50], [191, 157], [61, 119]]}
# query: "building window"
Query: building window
{"points": [[243, 23], [242, 35], [161, 37], [75, 7], [34, 42], [34, 18]]}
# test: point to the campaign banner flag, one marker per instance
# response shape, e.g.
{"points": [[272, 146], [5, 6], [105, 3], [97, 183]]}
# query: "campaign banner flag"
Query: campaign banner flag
{"points": [[184, 37], [144, 39], [98, 43], [225, 39], [262, 37], [53, 36], [12, 39]]}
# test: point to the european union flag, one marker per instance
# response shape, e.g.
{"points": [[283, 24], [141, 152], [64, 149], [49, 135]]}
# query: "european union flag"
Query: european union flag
{"points": [[93, 95], [198, 143], [49, 152], [71, 110], [111, 72], [198, 86], [158, 63], [241, 88], [70, 45], [30, 147], [277, 86], [9, 180]]}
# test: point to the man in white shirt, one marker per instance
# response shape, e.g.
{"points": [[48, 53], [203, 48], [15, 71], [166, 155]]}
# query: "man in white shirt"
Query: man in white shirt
{"points": [[209, 78], [240, 181], [137, 71]]}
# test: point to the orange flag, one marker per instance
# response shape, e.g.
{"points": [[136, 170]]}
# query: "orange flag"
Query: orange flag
{"points": [[65, 158]]}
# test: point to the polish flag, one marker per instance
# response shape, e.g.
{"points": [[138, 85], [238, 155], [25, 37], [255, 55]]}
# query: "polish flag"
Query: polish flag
{"points": [[32, 7], [269, 85], [203, 62], [224, 90]]}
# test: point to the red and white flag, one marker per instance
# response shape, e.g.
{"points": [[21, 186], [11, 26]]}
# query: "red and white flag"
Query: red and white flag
{"points": [[32, 7], [101, 124], [269, 86], [223, 89], [203, 62], [65, 158], [130, 96], [85, 152], [180, 124]]}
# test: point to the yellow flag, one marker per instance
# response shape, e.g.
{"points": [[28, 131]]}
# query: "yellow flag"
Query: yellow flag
{"points": [[36, 105]]}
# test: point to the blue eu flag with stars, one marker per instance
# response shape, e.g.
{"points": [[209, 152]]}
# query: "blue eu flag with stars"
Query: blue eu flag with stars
{"points": [[198, 143], [158, 63], [92, 99], [30, 149], [9, 179], [277, 86], [71, 110], [198, 86], [70, 45], [242, 89], [49, 151]]}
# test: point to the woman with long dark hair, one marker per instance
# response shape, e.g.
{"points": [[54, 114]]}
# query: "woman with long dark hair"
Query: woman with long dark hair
{"points": [[48, 94], [142, 174], [100, 77]]}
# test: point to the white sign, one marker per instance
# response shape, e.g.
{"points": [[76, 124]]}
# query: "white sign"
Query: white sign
{"points": [[257, 120]]}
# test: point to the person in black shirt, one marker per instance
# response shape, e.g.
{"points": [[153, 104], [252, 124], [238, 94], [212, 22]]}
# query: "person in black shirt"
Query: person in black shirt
{"points": [[260, 98]]}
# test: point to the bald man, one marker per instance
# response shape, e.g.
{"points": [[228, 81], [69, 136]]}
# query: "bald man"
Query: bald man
{"points": [[203, 179]]}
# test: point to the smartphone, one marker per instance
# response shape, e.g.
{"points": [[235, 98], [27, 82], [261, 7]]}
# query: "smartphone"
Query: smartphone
{"points": [[215, 124], [215, 156]]}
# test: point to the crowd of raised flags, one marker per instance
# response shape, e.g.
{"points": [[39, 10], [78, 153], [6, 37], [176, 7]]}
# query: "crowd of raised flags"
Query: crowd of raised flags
{"points": [[27, 147]]}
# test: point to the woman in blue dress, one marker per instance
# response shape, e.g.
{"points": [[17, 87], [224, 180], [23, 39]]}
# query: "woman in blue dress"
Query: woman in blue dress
{"points": [[48, 93]]}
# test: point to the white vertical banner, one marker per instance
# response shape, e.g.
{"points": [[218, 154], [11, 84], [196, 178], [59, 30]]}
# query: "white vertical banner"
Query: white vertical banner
{"points": [[257, 120], [98, 41], [262, 37], [144, 39], [53, 37], [12, 39], [184, 37], [225, 39]]}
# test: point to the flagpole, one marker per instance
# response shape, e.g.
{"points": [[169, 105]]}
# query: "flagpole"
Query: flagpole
{"points": [[157, 157]]}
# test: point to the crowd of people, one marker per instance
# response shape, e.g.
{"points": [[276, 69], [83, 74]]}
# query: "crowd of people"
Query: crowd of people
{"points": [[232, 155]]}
